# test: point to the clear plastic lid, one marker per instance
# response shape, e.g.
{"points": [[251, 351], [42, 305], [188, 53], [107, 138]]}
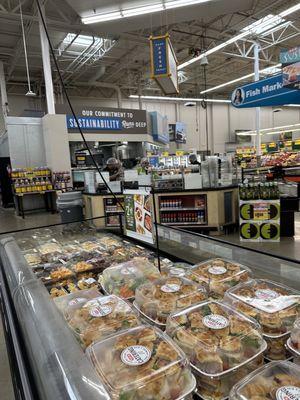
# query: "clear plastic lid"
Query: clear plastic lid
{"points": [[278, 380], [32, 257], [156, 300], [109, 242], [219, 275], [97, 263], [179, 269], [75, 298], [87, 280], [123, 279], [91, 245], [215, 337], [98, 318], [294, 342], [50, 247], [55, 272], [274, 306], [142, 363]]}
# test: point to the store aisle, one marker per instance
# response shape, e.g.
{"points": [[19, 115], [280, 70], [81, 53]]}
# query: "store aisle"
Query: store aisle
{"points": [[10, 222], [6, 388]]}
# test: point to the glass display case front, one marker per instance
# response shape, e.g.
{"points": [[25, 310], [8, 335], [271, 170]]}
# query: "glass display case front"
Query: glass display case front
{"points": [[54, 278]]}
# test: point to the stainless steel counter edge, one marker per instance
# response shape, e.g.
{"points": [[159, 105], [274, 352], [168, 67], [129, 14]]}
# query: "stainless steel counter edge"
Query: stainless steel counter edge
{"points": [[59, 366]]}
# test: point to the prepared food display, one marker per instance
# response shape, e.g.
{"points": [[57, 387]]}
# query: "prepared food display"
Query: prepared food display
{"points": [[219, 275], [275, 381], [57, 291], [123, 279], [180, 269], [109, 242], [90, 245], [87, 280], [75, 298], [54, 273], [50, 247], [96, 263], [148, 364], [157, 299], [33, 258], [98, 318], [274, 306]]}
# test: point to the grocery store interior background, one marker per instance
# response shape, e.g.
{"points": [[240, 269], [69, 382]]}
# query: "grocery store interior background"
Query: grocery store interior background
{"points": [[174, 124]]}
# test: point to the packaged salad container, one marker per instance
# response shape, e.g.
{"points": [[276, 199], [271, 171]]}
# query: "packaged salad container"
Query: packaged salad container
{"points": [[219, 275], [156, 300], [123, 279], [275, 381], [180, 269], [98, 318], [274, 306], [148, 364], [222, 345]]}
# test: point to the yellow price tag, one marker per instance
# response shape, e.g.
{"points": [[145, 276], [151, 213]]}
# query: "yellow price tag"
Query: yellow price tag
{"points": [[179, 153], [165, 154]]}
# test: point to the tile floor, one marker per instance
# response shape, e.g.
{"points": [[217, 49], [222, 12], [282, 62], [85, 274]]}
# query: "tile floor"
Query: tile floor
{"points": [[10, 222]]}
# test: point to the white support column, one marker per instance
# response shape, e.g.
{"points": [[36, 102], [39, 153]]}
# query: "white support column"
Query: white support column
{"points": [[257, 109], [47, 67], [4, 102]]}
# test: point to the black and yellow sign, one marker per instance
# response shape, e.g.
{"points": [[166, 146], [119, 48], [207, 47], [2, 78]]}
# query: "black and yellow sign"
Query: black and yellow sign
{"points": [[249, 230], [270, 231]]}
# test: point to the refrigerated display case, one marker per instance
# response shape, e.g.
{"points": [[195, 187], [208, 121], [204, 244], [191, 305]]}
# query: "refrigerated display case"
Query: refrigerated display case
{"points": [[47, 360]]}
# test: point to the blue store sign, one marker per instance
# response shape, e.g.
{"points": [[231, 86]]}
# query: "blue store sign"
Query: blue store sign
{"points": [[159, 56], [95, 123], [264, 93]]}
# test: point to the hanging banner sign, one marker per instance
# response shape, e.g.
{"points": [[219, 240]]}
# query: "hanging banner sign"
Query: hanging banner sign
{"points": [[164, 64], [291, 75], [290, 56], [263, 93]]}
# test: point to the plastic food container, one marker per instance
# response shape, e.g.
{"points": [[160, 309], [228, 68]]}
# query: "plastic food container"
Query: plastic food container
{"points": [[123, 279], [32, 257], [222, 345], [179, 269], [219, 275], [75, 298], [98, 318], [274, 306], [293, 342], [50, 247], [93, 264], [87, 280], [109, 242], [54, 273], [276, 381], [156, 300], [142, 363]]}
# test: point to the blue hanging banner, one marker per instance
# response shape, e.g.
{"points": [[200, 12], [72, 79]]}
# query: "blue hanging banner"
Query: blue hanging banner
{"points": [[264, 93], [159, 56]]}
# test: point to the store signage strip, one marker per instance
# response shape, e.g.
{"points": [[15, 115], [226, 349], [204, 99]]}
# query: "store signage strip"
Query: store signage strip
{"points": [[266, 92], [95, 123]]}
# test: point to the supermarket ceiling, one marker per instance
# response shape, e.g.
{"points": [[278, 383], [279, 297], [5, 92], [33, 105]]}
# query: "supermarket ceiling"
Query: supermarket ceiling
{"points": [[116, 50]]}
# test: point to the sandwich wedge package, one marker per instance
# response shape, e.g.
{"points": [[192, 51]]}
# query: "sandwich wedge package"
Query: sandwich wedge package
{"points": [[222, 345], [219, 275], [72, 299], [293, 342], [142, 363], [274, 306], [156, 300], [123, 279], [278, 380], [98, 318]]}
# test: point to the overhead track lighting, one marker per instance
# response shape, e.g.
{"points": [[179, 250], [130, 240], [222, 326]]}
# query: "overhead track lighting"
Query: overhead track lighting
{"points": [[139, 10], [259, 27]]}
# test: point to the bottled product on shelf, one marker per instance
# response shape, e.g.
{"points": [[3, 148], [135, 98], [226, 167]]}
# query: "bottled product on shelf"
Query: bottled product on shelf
{"points": [[259, 191], [61, 179], [28, 180], [183, 217]]}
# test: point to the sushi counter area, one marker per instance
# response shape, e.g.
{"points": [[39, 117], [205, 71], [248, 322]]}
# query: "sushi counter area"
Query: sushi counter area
{"points": [[100, 321]]}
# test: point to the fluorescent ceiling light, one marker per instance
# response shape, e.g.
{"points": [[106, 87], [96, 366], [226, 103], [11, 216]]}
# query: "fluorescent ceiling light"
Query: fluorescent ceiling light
{"points": [[140, 10], [263, 27], [164, 98], [272, 131], [81, 40], [265, 71], [143, 10], [264, 24]]}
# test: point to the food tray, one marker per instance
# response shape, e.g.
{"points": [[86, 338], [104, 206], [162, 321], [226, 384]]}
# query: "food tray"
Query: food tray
{"points": [[295, 337], [179, 269], [149, 366], [276, 380], [32, 257], [157, 299], [219, 275], [123, 279], [92, 264], [99, 318], [54, 273], [215, 337], [77, 297], [87, 280], [51, 247]]}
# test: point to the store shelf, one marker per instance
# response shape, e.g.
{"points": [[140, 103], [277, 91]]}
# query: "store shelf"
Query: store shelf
{"points": [[183, 209], [184, 223], [114, 212]]}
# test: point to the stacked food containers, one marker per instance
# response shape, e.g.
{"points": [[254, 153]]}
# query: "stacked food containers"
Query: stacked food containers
{"points": [[293, 343], [276, 380], [156, 300], [222, 345], [219, 275], [142, 363], [180, 269], [274, 306]]}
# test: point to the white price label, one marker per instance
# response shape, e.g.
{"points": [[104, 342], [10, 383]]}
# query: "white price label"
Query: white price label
{"points": [[170, 288], [135, 355], [288, 393], [215, 321]]}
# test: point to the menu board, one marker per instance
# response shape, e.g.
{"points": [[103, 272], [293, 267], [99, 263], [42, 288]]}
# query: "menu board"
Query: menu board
{"points": [[138, 215]]}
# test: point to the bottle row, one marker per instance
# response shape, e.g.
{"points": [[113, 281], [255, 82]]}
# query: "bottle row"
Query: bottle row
{"points": [[182, 217], [256, 191]]}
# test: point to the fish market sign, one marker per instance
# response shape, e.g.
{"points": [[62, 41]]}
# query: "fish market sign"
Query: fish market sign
{"points": [[290, 56], [263, 93], [105, 120]]}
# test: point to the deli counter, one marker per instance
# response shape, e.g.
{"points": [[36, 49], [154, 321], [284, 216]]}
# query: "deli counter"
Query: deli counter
{"points": [[59, 283]]}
